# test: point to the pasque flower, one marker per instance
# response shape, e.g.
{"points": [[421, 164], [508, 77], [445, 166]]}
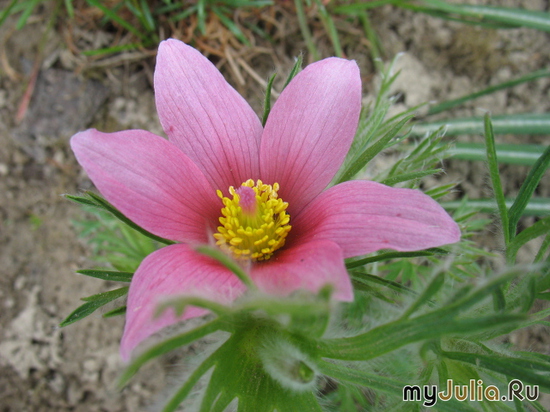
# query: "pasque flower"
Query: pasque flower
{"points": [[258, 193]]}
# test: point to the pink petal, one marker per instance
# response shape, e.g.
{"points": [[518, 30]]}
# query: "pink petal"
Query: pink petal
{"points": [[150, 181], [172, 270], [310, 130], [308, 266], [363, 217], [205, 117]]}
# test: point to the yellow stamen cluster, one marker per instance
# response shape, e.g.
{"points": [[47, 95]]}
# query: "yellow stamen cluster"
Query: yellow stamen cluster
{"points": [[254, 227]]}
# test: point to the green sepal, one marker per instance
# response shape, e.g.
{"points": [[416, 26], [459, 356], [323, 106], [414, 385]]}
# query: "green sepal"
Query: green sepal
{"points": [[255, 389]]}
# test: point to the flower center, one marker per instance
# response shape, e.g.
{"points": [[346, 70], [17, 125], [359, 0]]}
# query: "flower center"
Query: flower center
{"points": [[254, 223]]}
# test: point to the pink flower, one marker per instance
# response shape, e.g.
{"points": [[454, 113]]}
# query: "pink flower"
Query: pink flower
{"points": [[296, 238]]}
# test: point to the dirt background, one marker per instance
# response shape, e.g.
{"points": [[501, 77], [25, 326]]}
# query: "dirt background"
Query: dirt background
{"points": [[45, 368]]}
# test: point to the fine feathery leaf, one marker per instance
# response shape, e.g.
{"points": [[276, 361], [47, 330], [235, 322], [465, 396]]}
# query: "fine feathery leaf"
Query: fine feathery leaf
{"points": [[527, 370], [107, 296], [267, 101], [495, 177], [81, 200], [369, 380], [433, 287], [543, 249], [354, 263], [168, 345], [92, 304], [115, 312], [186, 388], [107, 274], [365, 278], [295, 70], [434, 324], [362, 159], [540, 228], [96, 200], [405, 177]]}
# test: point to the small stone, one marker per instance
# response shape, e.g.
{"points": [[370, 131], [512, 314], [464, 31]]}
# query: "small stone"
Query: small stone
{"points": [[19, 283]]}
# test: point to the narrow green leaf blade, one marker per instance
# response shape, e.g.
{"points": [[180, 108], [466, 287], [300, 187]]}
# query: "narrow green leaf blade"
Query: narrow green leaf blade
{"points": [[350, 264], [527, 189], [528, 371], [518, 154], [536, 207], [540, 228], [107, 274], [440, 107], [115, 312], [82, 311], [267, 101], [295, 70], [113, 16], [92, 304], [107, 296], [539, 19], [520, 124], [365, 379], [495, 177], [405, 177], [433, 287]]}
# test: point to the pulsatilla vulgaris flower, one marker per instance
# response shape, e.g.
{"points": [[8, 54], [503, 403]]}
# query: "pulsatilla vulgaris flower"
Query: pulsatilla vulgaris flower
{"points": [[258, 193]]}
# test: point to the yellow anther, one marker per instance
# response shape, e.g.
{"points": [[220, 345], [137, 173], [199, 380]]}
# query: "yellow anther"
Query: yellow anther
{"points": [[254, 221]]}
